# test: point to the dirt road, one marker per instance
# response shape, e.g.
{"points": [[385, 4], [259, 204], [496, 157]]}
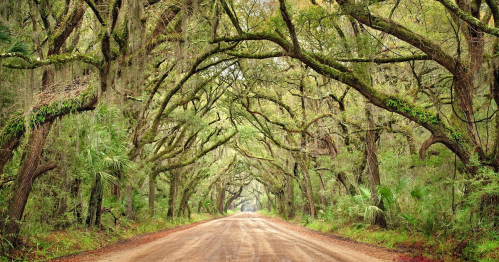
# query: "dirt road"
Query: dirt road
{"points": [[247, 237]]}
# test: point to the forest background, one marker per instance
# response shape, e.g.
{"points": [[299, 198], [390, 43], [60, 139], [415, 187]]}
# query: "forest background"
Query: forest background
{"points": [[372, 119]]}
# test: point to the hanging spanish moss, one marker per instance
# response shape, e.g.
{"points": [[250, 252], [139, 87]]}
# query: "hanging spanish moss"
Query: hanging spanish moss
{"points": [[137, 39]]}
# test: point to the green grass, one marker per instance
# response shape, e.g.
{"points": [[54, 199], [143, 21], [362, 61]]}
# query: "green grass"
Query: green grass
{"points": [[267, 213], [441, 248], [416, 242], [42, 246]]}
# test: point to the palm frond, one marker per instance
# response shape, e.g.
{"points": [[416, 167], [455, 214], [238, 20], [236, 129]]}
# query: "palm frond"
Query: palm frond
{"points": [[386, 194], [371, 213], [419, 192], [107, 180], [19, 47], [115, 163], [365, 193]]}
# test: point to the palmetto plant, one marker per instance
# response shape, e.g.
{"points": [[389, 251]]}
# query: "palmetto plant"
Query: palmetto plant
{"points": [[6, 38], [105, 161], [363, 207], [107, 171]]}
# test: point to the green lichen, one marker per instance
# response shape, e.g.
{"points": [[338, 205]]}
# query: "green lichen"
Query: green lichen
{"points": [[419, 113], [17, 125]]}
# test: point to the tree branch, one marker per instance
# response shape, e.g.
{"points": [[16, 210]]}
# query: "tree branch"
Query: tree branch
{"points": [[96, 12], [198, 155], [385, 60], [53, 59], [428, 143], [43, 168], [390, 27], [290, 25], [469, 19]]}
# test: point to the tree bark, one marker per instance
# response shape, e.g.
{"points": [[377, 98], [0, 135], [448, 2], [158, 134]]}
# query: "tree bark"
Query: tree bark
{"points": [[232, 198], [269, 200], [93, 214], [129, 202], [290, 197], [372, 160], [307, 190], [152, 192], [25, 177], [221, 199], [342, 177], [174, 181]]}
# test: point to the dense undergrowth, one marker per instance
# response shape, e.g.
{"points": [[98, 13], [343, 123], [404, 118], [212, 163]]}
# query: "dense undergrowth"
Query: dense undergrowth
{"points": [[418, 245], [42, 244]]}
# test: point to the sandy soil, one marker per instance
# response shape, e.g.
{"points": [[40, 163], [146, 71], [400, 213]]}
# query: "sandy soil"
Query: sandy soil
{"points": [[243, 237]]}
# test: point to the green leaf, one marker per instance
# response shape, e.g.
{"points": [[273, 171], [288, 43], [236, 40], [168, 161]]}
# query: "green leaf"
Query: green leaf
{"points": [[419, 192], [19, 47], [386, 194]]}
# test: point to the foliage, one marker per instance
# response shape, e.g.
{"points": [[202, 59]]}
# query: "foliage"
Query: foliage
{"points": [[259, 105]]}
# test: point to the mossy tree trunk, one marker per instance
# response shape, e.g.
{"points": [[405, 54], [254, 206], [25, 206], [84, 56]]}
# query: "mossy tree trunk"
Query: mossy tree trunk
{"points": [[372, 161], [30, 168], [95, 203], [233, 197], [290, 197], [152, 192], [221, 198], [174, 188], [21, 189]]}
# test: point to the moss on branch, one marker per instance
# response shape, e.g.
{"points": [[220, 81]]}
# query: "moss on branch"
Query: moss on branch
{"points": [[45, 113], [28, 63], [419, 113], [385, 60], [469, 19]]}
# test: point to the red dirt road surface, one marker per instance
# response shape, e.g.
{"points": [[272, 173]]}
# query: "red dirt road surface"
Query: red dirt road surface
{"points": [[244, 237]]}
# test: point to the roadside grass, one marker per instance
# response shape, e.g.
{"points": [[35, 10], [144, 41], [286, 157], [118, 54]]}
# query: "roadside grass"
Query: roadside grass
{"points": [[42, 246], [421, 247], [267, 213]]}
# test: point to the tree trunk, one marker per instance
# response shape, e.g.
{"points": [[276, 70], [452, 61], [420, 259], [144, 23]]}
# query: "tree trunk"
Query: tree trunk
{"points": [[25, 177], [290, 197], [372, 161], [232, 198], [342, 177], [129, 202], [280, 203], [303, 156], [94, 203], [8, 148], [184, 199], [221, 199], [98, 212], [174, 181], [322, 197], [74, 191], [269, 200], [152, 192], [308, 194]]}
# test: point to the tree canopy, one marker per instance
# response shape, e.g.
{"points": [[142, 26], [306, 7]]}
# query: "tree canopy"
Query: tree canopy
{"points": [[380, 112]]}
